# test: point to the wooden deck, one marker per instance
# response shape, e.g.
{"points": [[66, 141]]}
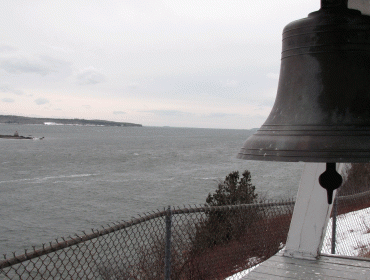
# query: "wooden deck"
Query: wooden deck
{"points": [[326, 267]]}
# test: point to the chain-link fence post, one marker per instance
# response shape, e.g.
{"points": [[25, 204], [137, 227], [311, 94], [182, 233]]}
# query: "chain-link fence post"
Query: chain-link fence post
{"points": [[167, 256], [334, 225]]}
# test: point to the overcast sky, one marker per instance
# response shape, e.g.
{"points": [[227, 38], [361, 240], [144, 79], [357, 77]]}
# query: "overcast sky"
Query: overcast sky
{"points": [[189, 63]]}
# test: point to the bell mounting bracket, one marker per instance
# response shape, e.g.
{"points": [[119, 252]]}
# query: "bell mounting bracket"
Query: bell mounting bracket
{"points": [[330, 180], [334, 3]]}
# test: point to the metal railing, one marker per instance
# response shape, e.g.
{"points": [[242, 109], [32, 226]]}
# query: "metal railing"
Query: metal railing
{"points": [[187, 243]]}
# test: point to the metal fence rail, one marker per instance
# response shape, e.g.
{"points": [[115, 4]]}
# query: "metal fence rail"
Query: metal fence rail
{"points": [[188, 243]]}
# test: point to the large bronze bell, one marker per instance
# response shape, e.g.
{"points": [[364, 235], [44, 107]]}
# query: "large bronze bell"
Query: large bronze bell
{"points": [[322, 108]]}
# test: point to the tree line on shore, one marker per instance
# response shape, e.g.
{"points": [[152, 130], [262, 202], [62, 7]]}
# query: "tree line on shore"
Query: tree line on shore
{"points": [[10, 119]]}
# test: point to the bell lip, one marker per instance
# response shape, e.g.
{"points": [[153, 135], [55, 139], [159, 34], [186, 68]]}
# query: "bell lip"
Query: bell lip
{"points": [[289, 153], [290, 158], [312, 143]]}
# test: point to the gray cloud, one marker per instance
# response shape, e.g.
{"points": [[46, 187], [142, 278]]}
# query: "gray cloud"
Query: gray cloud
{"points": [[133, 85], [43, 65], [8, 100], [41, 101], [119, 112], [22, 65], [10, 90], [58, 48], [54, 64], [90, 76], [220, 115], [230, 83], [7, 48], [169, 113]]}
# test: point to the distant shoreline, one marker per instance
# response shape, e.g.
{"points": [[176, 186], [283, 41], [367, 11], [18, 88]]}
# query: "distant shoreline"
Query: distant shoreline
{"points": [[9, 119]]}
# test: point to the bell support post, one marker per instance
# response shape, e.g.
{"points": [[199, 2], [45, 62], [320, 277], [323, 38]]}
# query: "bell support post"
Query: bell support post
{"points": [[311, 214]]}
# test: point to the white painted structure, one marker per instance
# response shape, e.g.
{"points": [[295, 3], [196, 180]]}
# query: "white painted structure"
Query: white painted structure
{"points": [[311, 214]]}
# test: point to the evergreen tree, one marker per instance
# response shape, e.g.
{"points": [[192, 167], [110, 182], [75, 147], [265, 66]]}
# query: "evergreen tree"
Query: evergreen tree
{"points": [[234, 190], [222, 226]]}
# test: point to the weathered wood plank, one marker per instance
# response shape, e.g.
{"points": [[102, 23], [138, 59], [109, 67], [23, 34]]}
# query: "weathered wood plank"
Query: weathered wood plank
{"points": [[281, 267], [326, 270], [341, 269], [337, 263], [351, 262], [263, 276], [275, 273]]}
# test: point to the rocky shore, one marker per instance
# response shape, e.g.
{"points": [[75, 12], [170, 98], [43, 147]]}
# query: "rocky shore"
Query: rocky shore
{"points": [[19, 137]]}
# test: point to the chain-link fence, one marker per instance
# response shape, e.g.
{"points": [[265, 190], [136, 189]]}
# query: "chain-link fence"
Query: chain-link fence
{"points": [[188, 243], [348, 231]]}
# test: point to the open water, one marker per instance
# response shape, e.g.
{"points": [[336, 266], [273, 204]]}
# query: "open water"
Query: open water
{"points": [[82, 177]]}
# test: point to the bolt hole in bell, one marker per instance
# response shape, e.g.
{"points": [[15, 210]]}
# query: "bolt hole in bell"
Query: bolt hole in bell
{"points": [[322, 107]]}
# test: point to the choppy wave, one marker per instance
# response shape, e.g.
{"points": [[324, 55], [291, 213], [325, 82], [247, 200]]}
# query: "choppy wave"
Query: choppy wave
{"points": [[48, 178], [208, 178]]}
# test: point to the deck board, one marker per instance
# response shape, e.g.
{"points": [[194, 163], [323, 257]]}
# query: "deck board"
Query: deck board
{"points": [[326, 267]]}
